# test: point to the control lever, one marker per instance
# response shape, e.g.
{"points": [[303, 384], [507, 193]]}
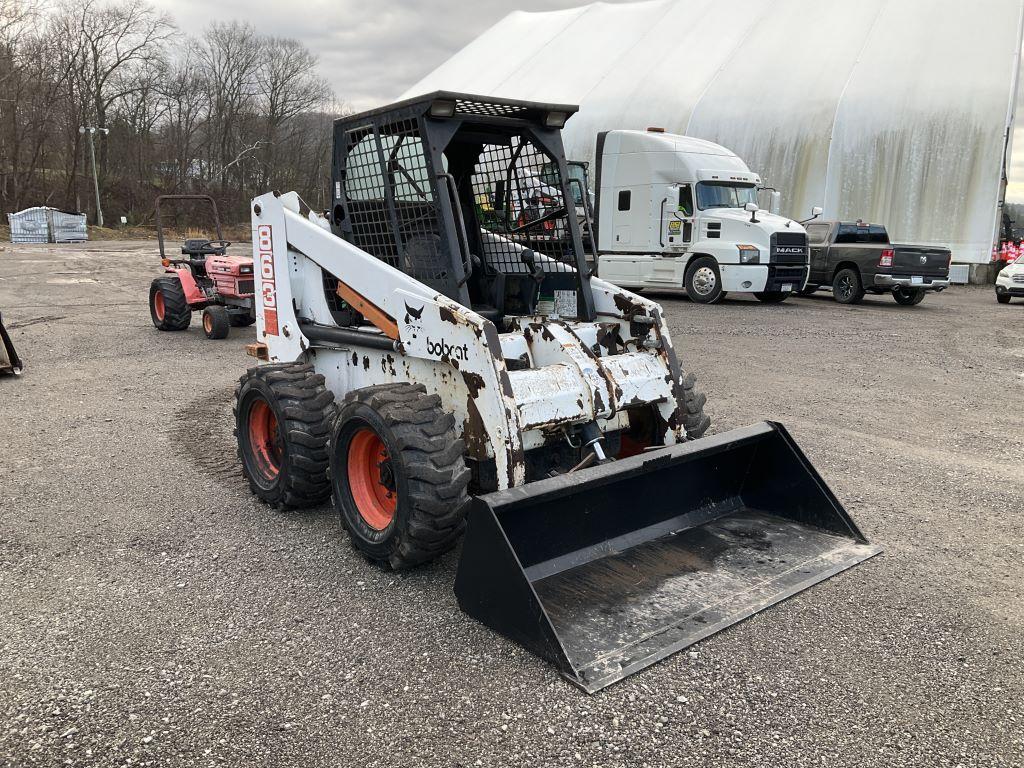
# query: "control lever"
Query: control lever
{"points": [[529, 258]]}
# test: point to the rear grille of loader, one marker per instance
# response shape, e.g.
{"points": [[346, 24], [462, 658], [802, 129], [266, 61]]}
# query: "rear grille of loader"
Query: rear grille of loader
{"points": [[246, 286]]}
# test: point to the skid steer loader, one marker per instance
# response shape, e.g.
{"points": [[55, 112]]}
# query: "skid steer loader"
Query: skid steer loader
{"points": [[437, 356]]}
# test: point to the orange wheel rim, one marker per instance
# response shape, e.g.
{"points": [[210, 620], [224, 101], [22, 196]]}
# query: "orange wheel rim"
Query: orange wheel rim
{"points": [[207, 322], [371, 479], [265, 439], [158, 305]]}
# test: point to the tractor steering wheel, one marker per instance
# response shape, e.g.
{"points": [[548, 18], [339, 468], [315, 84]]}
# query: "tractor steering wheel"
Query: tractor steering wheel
{"points": [[216, 245]]}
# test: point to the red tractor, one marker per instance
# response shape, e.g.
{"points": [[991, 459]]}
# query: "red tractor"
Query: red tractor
{"points": [[207, 279]]}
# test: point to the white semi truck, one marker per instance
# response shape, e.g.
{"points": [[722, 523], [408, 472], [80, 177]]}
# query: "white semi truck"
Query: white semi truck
{"points": [[679, 212]]}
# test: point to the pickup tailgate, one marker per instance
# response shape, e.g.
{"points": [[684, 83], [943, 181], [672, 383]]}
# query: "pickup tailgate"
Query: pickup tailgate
{"points": [[926, 261]]}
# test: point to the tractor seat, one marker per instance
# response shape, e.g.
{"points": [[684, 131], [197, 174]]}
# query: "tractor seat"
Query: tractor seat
{"points": [[197, 247]]}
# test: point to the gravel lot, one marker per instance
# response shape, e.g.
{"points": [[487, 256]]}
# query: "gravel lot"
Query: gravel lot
{"points": [[153, 613]]}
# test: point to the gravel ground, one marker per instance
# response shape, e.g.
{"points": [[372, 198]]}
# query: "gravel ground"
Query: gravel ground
{"points": [[154, 613]]}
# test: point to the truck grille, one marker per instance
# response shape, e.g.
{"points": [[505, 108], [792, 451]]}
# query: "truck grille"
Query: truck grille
{"points": [[1018, 278], [246, 286], [779, 276], [788, 248]]}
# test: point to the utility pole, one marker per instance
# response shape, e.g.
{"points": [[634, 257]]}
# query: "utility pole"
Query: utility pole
{"points": [[91, 131]]}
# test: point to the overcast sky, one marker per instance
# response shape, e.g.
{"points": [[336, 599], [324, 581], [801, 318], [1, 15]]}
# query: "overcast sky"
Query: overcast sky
{"points": [[370, 51]]}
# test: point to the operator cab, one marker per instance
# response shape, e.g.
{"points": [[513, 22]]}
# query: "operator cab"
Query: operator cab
{"points": [[468, 195]]}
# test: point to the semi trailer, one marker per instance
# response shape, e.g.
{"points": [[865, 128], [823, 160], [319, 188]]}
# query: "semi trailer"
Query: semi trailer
{"points": [[678, 212]]}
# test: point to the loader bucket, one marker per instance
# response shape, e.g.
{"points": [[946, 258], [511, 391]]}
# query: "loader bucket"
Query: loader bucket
{"points": [[610, 569], [9, 360]]}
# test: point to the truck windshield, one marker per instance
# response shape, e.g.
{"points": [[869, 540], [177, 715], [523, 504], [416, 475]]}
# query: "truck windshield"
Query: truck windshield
{"points": [[577, 172], [724, 194]]}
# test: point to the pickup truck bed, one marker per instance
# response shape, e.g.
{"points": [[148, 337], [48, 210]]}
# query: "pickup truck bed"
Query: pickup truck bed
{"points": [[854, 258]]}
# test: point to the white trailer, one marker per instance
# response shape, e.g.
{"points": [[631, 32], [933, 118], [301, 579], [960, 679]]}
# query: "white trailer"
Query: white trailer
{"points": [[679, 212]]}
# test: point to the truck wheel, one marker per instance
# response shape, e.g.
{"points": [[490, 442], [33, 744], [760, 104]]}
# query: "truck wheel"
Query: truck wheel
{"points": [[398, 475], [283, 417], [704, 281], [216, 322], [167, 305], [241, 319], [771, 297], [846, 287], [1003, 298], [908, 298]]}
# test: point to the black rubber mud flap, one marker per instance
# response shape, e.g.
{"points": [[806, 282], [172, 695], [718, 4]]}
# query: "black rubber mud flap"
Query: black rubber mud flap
{"points": [[608, 570], [9, 360]]}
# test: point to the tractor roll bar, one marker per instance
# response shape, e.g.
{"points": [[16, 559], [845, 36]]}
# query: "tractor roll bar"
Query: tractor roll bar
{"points": [[159, 222]]}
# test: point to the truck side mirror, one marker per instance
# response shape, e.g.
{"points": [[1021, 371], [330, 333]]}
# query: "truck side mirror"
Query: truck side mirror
{"points": [[815, 213], [751, 207]]}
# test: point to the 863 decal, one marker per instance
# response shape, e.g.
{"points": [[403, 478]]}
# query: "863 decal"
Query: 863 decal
{"points": [[268, 283]]}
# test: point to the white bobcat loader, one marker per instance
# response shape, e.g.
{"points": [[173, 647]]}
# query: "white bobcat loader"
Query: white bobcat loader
{"points": [[438, 362]]}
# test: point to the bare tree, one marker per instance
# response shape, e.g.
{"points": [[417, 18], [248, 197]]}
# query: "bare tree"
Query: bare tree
{"points": [[184, 95], [289, 86], [229, 55], [116, 40], [231, 113]]}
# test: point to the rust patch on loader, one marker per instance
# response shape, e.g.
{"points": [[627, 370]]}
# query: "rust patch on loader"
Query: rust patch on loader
{"points": [[474, 382]]}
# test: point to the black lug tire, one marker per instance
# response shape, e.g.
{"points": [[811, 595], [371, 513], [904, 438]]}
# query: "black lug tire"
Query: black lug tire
{"points": [[807, 290], [697, 422], [216, 324], [430, 473], [1003, 298], [772, 297], [847, 287], [177, 315], [304, 410], [716, 294], [241, 319], [910, 298]]}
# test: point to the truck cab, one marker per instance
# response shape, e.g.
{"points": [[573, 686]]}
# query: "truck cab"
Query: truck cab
{"points": [[679, 212]]}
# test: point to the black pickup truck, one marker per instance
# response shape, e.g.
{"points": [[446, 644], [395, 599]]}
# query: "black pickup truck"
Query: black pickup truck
{"points": [[854, 258]]}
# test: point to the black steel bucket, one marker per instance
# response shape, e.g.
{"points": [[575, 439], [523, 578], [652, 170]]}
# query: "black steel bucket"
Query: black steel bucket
{"points": [[610, 569]]}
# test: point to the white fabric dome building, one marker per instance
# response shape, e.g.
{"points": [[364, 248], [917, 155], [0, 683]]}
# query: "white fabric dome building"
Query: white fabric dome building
{"points": [[894, 111]]}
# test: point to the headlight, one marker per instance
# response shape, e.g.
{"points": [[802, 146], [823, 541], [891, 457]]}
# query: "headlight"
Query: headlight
{"points": [[245, 270], [749, 254]]}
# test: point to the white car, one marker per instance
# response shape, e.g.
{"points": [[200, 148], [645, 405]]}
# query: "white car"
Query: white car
{"points": [[1010, 281]]}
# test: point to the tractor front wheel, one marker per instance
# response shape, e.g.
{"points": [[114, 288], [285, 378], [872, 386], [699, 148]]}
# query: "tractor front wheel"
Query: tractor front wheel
{"points": [[283, 415], [216, 323], [398, 475], [167, 305]]}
